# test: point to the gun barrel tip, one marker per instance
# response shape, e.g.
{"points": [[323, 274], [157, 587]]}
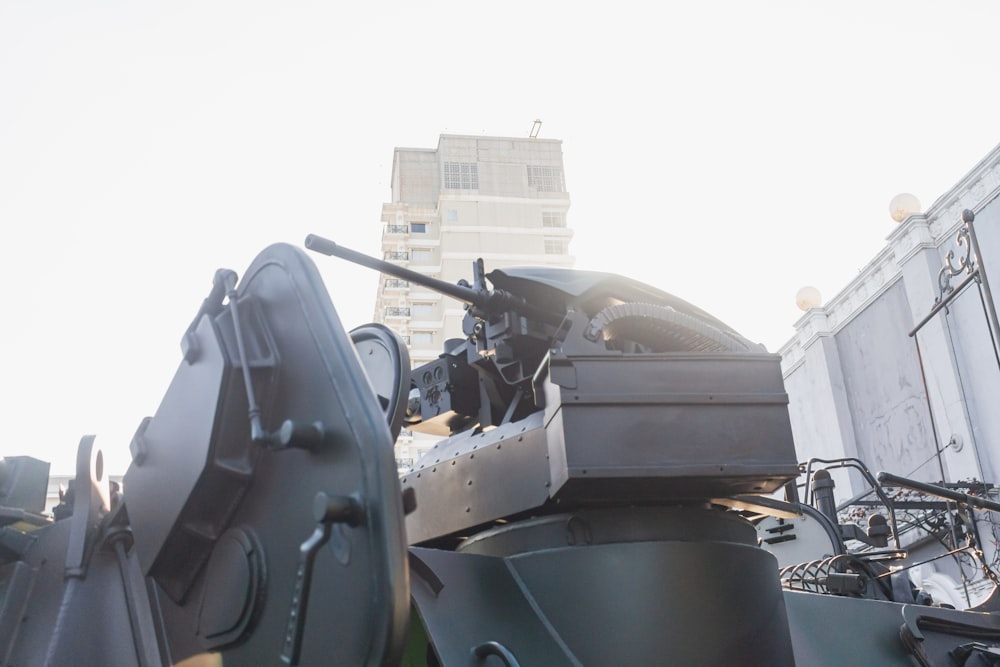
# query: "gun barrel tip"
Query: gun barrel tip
{"points": [[320, 244]]}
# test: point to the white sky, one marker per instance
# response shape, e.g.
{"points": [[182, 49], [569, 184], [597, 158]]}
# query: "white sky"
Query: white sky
{"points": [[729, 152]]}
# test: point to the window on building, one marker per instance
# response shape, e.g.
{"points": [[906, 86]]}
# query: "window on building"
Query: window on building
{"points": [[421, 338], [553, 219], [545, 179], [418, 227], [461, 176], [421, 255], [422, 311], [555, 246]]}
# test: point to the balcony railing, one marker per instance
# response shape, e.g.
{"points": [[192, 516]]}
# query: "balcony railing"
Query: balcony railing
{"points": [[396, 283], [394, 311], [396, 229], [397, 255]]}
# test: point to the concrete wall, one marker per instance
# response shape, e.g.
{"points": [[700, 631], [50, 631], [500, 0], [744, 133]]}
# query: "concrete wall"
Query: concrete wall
{"points": [[884, 392], [853, 371]]}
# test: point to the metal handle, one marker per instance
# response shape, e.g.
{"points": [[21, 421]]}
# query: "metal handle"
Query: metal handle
{"points": [[327, 510], [496, 648]]}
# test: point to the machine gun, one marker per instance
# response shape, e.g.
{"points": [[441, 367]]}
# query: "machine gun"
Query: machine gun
{"points": [[604, 445], [619, 392], [485, 379]]}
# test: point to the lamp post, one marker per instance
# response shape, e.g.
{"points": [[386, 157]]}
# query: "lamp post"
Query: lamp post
{"points": [[968, 231]]}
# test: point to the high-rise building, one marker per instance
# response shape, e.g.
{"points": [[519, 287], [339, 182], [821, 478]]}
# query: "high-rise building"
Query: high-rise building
{"points": [[500, 199]]}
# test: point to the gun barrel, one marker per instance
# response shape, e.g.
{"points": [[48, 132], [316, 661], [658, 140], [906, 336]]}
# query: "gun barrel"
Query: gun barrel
{"points": [[328, 247]]}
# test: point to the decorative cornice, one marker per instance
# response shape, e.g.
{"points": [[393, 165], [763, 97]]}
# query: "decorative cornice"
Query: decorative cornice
{"points": [[977, 187], [917, 232], [871, 282], [881, 274]]}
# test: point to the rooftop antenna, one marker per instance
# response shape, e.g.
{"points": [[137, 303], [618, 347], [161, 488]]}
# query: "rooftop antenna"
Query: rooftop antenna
{"points": [[535, 128]]}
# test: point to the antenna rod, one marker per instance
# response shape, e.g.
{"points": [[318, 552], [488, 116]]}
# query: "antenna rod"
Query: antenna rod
{"points": [[976, 502]]}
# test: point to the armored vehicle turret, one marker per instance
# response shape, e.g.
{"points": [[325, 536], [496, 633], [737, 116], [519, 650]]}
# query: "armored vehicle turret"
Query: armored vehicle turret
{"points": [[614, 483]]}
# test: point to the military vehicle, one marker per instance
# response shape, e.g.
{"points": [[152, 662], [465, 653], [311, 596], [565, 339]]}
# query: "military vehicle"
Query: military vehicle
{"points": [[615, 484]]}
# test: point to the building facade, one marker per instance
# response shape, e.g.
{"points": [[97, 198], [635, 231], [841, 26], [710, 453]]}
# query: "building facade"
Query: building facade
{"points": [[500, 199], [901, 368]]}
